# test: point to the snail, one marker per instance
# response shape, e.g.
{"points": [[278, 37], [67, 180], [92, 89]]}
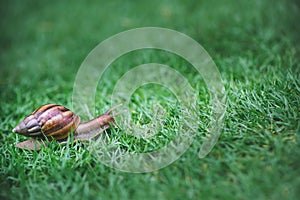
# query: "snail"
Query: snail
{"points": [[56, 122]]}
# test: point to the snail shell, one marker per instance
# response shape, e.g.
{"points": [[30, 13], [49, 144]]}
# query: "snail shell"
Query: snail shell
{"points": [[52, 121]]}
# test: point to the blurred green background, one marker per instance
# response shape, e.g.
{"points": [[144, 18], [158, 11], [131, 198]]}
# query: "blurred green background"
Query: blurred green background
{"points": [[255, 45]]}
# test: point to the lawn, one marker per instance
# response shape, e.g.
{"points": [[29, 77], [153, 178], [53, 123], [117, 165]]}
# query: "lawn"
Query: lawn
{"points": [[255, 45]]}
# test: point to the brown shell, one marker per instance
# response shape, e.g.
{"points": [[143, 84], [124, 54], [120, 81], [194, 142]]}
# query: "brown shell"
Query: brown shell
{"points": [[51, 121]]}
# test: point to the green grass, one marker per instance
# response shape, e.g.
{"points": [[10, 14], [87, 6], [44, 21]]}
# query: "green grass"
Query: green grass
{"points": [[255, 45]]}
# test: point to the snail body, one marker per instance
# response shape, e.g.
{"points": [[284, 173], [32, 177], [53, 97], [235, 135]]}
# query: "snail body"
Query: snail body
{"points": [[53, 121]]}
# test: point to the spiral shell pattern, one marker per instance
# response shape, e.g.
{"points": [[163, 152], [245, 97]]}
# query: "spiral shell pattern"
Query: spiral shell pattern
{"points": [[51, 120]]}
